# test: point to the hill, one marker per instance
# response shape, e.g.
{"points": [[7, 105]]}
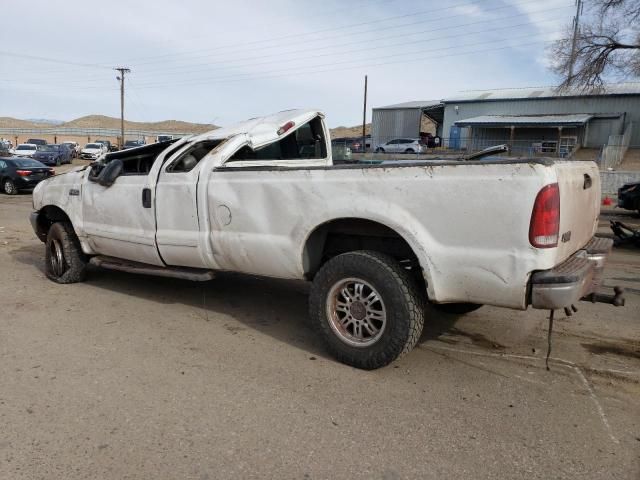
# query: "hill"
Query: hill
{"points": [[169, 126], [8, 122], [350, 131], [103, 121]]}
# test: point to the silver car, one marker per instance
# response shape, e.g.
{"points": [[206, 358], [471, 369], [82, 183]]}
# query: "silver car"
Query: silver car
{"points": [[401, 145]]}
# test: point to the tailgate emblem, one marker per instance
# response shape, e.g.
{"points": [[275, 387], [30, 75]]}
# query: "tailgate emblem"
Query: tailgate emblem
{"points": [[566, 236], [74, 192]]}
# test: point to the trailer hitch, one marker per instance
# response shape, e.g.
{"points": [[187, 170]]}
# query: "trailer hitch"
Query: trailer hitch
{"points": [[616, 299]]}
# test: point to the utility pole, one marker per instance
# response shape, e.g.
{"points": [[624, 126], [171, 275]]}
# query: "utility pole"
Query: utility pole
{"points": [[364, 118], [576, 30], [122, 71]]}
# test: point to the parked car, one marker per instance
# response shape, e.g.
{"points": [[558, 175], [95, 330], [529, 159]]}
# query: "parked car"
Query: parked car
{"points": [[5, 149], [629, 196], [18, 173], [25, 150], [132, 144], [164, 138], [36, 141], [355, 145], [92, 151], [74, 146], [401, 145], [377, 241], [53, 154], [109, 147]]}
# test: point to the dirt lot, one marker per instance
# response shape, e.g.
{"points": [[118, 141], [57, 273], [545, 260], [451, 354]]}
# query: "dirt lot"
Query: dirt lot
{"points": [[138, 377]]}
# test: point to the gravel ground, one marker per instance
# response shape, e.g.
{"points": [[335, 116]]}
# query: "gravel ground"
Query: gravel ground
{"points": [[138, 377]]}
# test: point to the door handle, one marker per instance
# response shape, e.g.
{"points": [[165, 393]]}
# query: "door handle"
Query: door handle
{"points": [[146, 197]]}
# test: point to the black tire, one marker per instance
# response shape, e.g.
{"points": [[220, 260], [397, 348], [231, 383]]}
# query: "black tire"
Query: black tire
{"points": [[456, 308], [9, 187], [64, 260], [399, 296], [379, 150], [409, 150]]}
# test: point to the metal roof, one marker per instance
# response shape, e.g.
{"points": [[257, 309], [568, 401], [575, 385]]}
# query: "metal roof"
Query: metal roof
{"points": [[630, 88], [525, 120], [408, 105]]}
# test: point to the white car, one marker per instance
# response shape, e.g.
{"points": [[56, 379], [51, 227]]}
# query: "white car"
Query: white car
{"points": [[401, 145], [74, 146], [376, 240], [92, 151], [25, 150]]}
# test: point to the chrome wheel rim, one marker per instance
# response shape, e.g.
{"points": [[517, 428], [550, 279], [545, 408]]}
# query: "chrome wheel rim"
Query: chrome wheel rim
{"points": [[56, 258], [356, 312], [8, 186]]}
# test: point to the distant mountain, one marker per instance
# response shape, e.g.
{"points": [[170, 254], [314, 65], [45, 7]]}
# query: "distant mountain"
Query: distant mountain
{"points": [[102, 121], [356, 131], [44, 121], [168, 126]]}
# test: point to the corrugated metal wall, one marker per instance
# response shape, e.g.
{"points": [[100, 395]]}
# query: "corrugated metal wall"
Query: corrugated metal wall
{"points": [[623, 104], [389, 124]]}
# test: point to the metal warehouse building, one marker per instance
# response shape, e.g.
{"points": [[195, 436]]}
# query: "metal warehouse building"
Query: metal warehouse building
{"points": [[406, 120], [544, 120]]}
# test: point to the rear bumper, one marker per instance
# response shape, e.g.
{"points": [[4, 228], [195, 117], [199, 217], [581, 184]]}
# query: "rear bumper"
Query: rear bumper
{"points": [[573, 279]]}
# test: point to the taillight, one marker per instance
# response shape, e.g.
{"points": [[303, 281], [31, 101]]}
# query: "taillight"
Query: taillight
{"points": [[23, 173], [545, 218]]}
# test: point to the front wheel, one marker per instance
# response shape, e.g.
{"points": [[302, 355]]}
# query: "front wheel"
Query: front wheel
{"points": [[9, 187], [64, 260], [379, 150], [409, 150], [367, 309]]}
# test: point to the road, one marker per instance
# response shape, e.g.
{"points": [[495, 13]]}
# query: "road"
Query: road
{"points": [[138, 377]]}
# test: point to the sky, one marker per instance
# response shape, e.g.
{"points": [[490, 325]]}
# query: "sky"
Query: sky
{"points": [[221, 62]]}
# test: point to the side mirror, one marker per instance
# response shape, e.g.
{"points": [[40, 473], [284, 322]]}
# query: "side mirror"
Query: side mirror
{"points": [[110, 173]]}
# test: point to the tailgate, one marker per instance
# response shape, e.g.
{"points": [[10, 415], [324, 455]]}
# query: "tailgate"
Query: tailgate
{"points": [[579, 184]]}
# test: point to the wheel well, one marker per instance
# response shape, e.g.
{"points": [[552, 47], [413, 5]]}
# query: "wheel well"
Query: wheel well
{"points": [[349, 234], [47, 216]]}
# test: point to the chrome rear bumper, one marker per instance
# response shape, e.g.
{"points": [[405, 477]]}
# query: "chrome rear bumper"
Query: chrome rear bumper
{"points": [[573, 279]]}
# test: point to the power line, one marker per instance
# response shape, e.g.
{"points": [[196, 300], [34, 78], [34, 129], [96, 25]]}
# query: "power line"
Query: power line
{"points": [[370, 65], [176, 71], [297, 36], [300, 71]]}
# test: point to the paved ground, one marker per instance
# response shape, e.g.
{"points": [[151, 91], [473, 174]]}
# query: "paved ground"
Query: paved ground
{"points": [[134, 377]]}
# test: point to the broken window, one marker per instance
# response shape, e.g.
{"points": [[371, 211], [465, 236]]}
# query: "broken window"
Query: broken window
{"points": [[307, 142], [190, 158]]}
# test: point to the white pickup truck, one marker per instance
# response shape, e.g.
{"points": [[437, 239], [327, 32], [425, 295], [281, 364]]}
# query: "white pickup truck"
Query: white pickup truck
{"points": [[376, 240]]}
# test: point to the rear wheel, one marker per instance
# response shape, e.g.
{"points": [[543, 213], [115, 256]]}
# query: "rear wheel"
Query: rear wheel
{"points": [[64, 260], [9, 187], [367, 309], [456, 308]]}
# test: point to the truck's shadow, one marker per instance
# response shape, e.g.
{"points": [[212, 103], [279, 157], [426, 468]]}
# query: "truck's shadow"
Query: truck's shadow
{"points": [[277, 308]]}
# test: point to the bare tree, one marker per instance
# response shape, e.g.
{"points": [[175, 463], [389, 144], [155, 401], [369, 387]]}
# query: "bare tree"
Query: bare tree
{"points": [[607, 44]]}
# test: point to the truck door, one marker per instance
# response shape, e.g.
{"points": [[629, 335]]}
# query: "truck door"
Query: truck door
{"points": [[179, 231], [119, 219]]}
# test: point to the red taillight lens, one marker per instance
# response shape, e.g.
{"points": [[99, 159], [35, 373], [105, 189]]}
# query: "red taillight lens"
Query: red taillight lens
{"points": [[23, 173], [285, 127], [545, 218]]}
